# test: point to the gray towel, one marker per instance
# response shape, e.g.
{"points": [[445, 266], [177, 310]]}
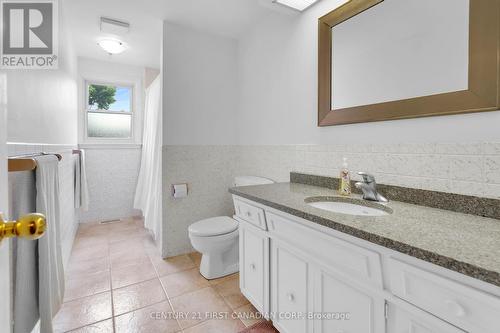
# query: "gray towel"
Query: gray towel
{"points": [[50, 263], [25, 254]]}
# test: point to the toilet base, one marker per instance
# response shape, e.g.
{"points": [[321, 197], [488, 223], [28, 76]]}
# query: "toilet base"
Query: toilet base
{"points": [[210, 275], [219, 264]]}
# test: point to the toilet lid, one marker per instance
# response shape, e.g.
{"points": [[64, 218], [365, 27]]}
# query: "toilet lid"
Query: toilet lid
{"points": [[214, 226]]}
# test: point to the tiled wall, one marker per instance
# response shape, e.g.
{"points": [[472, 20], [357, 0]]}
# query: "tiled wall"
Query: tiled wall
{"points": [[471, 169], [69, 223], [208, 171], [112, 178]]}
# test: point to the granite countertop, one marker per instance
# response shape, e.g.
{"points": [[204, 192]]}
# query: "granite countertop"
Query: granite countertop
{"points": [[464, 243]]}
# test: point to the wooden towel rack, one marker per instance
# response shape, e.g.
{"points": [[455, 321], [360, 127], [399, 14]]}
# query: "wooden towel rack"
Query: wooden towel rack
{"points": [[26, 163]]}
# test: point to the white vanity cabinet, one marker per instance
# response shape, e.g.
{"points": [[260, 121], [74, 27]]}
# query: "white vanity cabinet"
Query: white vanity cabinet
{"points": [[254, 266], [290, 289], [415, 321], [313, 279], [351, 308]]}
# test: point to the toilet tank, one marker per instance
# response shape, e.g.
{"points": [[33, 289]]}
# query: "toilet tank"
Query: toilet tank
{"points": [[250, 180]]}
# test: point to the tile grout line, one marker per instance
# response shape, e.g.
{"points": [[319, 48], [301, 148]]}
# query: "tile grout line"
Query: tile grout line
{"points": [[150, 256], [166, 294], [111, 285], [103, 320], [226, 302]]}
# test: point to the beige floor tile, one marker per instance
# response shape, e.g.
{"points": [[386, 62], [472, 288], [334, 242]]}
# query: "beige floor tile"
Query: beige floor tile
{"points": [[127, 234], [137, 296], [83, 312], [139, 223], [156, 318], [198, 306], [172, 265], [217, 326], [82, 285], [183, 282], [89, 250], [131, 274], [126, 246], [196, 258], [249, 315], [132, 260], [105, 326], [121, 226], [88, 266], [150, 246], [91, 230], [90, 241], [214, 282], [230, 291]]}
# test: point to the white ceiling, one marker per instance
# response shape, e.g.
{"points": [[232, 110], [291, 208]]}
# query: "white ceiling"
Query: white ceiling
{"points": [[223, 17]]}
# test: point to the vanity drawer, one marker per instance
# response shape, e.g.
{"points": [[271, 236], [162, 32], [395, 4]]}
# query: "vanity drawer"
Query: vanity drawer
{"points": [[458, 304], [343, 257], [250, 213]]}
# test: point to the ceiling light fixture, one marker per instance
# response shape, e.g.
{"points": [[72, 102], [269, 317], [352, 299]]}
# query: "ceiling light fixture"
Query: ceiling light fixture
{"points": [[301, 5], [112, 46]]}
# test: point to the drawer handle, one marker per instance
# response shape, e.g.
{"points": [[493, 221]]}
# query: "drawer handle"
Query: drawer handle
{"points": [[249, 214], [290, 297], [252, 266], [456, 308]]}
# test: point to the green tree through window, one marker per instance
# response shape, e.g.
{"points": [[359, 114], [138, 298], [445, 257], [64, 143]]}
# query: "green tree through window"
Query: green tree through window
{"points": [[102, 96]]}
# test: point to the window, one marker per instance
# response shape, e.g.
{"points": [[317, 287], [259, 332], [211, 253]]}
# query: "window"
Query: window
{"points": [[110, 113]]}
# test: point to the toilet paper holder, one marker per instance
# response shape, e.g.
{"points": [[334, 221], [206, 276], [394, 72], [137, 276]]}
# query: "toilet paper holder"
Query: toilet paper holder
{"points": [[179, 190]]}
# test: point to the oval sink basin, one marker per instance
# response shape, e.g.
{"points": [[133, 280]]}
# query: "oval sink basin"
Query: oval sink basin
{"points": [[348, 206]]}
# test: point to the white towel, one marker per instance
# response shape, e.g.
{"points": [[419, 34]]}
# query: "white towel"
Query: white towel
{"points": [[50, 263], [81, 185]]}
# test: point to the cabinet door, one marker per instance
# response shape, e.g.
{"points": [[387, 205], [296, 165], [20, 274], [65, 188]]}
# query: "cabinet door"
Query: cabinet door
{"points": [[290, 290], [345, 308], [254, 266], [415, 321]]}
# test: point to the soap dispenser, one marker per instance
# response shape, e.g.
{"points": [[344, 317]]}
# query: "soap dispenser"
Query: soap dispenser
{"points": [[345, 180]]}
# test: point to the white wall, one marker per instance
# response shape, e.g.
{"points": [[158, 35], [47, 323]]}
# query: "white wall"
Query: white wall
{"points": [[278, 94], [200, 87], [42, 104], [276, 109]]}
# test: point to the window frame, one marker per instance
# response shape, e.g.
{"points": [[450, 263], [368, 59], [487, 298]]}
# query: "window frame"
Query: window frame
{"points": [[133, 112]]}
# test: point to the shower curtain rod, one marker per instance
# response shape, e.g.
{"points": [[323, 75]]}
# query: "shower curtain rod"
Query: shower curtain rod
{"points": [[26, 162]]}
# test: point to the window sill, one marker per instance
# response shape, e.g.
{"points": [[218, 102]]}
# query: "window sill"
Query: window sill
{"points": [[110, 145]]}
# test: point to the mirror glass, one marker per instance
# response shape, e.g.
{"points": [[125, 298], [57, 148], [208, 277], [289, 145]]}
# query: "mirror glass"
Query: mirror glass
{"points": [[400, 49]]}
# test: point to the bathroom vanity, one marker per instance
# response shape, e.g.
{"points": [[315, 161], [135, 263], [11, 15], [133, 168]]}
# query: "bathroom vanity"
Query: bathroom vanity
{"points": [[416, 269]]}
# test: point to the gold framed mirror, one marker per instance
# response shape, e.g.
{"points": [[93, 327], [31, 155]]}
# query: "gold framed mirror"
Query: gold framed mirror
{"points": [[455, 67]]}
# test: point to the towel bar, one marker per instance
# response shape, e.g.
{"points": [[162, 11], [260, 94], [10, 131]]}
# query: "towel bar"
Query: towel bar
{"points": [[26, 162]]}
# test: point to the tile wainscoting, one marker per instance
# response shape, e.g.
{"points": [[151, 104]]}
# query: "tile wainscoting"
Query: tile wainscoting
{"points": [[208, 170], [470, 169], [112, 178]]}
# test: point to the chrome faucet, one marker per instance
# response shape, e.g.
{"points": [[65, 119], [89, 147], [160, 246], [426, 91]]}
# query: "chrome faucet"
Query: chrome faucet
{"points": [[369, 188]]}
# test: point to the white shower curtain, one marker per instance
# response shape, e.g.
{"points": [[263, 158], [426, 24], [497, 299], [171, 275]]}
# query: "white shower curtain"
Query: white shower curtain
{"points": [[148, 193]]}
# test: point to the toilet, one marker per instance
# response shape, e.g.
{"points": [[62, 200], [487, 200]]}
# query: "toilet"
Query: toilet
{"points": [[216, 238]]}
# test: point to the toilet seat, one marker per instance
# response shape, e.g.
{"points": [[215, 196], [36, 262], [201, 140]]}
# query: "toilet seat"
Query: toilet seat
{"points": [[214, 226]]}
